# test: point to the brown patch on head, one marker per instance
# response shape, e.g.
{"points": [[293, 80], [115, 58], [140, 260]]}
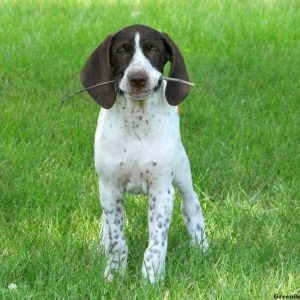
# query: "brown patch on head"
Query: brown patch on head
{"points": [[111, 58]]}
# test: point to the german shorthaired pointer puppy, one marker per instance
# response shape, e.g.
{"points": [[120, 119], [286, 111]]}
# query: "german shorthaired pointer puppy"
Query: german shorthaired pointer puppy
{"points": [[137, 144]]}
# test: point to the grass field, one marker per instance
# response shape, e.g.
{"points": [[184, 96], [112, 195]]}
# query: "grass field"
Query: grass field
{"points": [[240, 127]]}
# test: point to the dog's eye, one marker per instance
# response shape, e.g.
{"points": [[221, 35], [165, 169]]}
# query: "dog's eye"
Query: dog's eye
{"points": [[153, 51], [122, 52]]}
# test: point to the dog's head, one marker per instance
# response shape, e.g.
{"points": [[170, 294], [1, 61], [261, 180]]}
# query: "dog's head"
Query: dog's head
{"points": [[134, 58]]}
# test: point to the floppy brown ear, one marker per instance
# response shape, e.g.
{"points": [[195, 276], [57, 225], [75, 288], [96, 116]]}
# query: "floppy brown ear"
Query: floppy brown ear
{"points": [[175, 91], [97, 69]]}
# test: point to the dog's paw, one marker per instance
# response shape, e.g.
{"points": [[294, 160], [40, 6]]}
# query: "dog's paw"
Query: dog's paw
{"points": [[153, 269], [200, 241], [116, 263]]}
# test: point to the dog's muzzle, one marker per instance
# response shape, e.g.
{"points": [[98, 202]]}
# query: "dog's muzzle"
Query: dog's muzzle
{"points": [[138, 82]]}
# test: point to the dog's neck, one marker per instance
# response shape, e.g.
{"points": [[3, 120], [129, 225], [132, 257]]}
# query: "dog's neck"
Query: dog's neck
{"points": [[155, 101], [142, 118]]}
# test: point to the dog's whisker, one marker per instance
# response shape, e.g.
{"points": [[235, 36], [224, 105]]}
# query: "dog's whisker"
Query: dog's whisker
{"points": [[117, 86], [178, 80], [84, 90], [117, 89]]}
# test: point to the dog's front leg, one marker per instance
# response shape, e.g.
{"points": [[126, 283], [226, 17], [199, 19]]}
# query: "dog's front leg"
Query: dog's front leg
{"points": [[113, 239], [159, 217]]}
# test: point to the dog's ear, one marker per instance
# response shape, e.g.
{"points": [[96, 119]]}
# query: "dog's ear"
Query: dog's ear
{"points": [[97, 69], [175, 91]]}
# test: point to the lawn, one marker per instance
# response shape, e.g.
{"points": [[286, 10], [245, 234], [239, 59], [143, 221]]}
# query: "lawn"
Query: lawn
{"points": [[240, 126]]}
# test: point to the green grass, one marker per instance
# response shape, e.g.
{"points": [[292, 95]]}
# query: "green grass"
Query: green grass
{"points": [[240, 127]]}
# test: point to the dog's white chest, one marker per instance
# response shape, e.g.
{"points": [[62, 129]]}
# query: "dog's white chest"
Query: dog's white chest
{"points": [[136, 143]]}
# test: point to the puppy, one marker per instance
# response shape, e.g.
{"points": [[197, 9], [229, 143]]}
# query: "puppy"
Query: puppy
{"points": [[138, 148]]}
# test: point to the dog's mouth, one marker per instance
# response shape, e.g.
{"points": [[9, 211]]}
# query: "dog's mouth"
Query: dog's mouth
{"points": [[141, 94]]}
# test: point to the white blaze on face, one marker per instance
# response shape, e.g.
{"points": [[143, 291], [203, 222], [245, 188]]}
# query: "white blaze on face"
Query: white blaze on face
{"points": [[140, 63]]}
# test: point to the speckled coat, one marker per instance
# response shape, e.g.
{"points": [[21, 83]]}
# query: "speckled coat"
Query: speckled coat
{"points": [[138, 149]]}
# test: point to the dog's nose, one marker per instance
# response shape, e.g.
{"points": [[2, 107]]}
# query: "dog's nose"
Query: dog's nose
{"points": [[138, 79]]}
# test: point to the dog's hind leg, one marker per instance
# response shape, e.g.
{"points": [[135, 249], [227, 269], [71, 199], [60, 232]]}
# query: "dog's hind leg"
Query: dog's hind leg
{"points": [[190, 205]]}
